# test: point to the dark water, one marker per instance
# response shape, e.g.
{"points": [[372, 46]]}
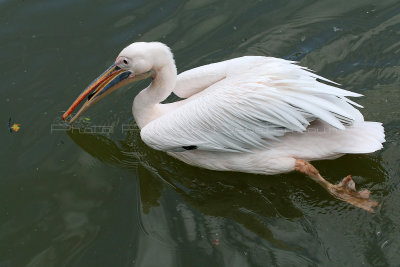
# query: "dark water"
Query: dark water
{"points": [[78, 199]]}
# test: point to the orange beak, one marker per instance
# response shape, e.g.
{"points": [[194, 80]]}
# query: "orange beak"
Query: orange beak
{"points": [[112, 79]]}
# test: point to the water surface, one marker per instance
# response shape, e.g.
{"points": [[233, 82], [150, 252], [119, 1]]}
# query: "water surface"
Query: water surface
{"points": [[69, 198]]}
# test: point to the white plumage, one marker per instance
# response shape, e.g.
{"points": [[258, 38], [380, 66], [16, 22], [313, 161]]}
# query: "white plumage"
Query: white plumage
{"points": [[253, 114], [249, 114], [258, 100]]}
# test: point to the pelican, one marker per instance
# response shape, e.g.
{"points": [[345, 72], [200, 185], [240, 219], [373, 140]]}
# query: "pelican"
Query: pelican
{"points": [[249, 114]]}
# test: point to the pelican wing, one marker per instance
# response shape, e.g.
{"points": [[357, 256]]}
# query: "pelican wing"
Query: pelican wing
{"points": [[252, 110]]}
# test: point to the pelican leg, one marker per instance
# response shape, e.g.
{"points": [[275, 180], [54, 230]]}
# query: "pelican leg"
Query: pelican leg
{"points": [[345, 190]]}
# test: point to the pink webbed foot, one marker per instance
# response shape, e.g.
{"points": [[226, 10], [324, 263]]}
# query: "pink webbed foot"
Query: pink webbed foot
{"points": [[346, 191]]}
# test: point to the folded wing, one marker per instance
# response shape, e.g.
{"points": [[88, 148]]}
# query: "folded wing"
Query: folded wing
{"points": [[252, 110]]}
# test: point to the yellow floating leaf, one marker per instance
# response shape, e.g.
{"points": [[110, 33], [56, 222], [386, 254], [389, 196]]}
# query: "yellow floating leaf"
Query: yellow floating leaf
{"points": [[15, 127]]}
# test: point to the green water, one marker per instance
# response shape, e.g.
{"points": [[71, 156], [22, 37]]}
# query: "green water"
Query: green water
{"points": [[69, 198]]}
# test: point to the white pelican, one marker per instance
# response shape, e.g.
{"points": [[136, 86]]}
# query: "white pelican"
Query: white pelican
{"points": [[250, 114]]}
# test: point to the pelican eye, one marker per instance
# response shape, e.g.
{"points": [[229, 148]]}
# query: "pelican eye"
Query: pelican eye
{"points": [[125, 61]]}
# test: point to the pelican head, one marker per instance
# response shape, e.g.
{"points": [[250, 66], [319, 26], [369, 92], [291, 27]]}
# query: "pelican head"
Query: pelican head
{"points": [[136, 62]]}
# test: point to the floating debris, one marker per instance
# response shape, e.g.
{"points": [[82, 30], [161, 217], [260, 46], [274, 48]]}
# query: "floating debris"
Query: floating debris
{"points": [[13, 127], [215, 242], [337, 29]]}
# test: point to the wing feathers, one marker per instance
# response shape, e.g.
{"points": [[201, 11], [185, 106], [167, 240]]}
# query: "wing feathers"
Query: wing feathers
{"points": [[252, 109]]}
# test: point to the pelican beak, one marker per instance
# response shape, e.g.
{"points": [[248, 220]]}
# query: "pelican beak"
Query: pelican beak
{"points": [[112, 79]]}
